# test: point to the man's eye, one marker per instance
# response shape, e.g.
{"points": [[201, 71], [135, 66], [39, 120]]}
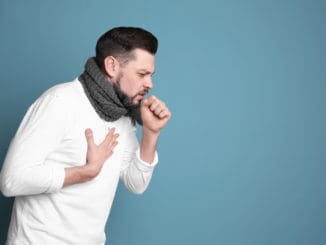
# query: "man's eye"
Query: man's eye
{"points": [[142, 74]]}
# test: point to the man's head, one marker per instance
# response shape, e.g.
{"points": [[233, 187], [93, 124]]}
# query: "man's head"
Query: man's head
{"points": [[126, 55]]}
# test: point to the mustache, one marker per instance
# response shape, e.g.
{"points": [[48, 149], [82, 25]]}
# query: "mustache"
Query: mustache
{"points": [[144, 92]]}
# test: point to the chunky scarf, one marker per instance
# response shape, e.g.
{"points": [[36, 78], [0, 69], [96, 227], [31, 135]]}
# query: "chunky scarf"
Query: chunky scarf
{"points": [[109, 103]]}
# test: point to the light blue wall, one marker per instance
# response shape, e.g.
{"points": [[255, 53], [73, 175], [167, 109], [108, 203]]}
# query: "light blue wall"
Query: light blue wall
{"points": [[243, 159]]}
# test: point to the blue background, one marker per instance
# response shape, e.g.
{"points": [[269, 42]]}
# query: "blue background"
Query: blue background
{"points": [[243, 159]]}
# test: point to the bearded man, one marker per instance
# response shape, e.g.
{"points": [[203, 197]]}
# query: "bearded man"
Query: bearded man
{"points": [[79, 138]]}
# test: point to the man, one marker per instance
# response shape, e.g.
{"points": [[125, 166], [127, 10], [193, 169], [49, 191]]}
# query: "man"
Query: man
{"points": [[78, 139]]}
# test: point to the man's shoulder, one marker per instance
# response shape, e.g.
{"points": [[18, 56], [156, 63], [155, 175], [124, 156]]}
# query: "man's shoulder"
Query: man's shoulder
{"points": [[67, 90], [65, 96]]}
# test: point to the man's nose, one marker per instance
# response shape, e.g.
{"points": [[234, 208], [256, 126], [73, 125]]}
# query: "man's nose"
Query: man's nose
{"points": [[149, 83]]}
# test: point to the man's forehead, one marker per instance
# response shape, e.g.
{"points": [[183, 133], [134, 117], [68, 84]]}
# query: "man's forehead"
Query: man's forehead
{"points": [[143, 61], [143, 55]]}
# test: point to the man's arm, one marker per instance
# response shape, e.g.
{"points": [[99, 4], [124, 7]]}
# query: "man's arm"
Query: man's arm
{"points": [[143, 158], [41, 131], [96, 156], [155, 116]]}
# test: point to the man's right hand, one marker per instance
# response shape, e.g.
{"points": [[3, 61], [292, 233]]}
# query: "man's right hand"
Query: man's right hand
{"points": [[95, 158], [98, 154]]}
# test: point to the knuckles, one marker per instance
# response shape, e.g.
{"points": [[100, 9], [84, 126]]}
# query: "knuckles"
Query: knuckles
{"points": [[152, 97], [158, 107]]}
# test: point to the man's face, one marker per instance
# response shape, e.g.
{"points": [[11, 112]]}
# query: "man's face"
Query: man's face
{"points": [[135, 77]]}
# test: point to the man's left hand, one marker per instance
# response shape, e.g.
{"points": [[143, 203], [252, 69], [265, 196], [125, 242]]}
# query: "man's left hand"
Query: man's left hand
{"points": [[155, 114]]}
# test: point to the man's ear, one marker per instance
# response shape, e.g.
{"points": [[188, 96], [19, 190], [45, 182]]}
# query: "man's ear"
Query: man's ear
{"points": [[111, 66]]}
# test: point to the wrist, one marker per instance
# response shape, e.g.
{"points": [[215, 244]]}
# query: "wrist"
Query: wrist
{"points": [[89, 172], [148, 144], [149, 137], [150, 132], [78, 174]]}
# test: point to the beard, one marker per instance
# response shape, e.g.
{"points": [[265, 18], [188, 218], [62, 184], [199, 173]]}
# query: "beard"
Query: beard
{"points": [[132, 107], [124, 98]]}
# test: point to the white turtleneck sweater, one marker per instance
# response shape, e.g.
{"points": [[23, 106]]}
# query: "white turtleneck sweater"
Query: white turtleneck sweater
{"points": [[49, 139]]}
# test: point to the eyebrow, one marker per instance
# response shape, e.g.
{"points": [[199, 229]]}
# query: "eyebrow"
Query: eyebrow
{"points": [[146, 71]]}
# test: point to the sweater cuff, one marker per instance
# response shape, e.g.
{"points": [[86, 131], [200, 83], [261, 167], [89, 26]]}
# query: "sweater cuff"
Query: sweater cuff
{"points": [[145, 166], [58, 176]]}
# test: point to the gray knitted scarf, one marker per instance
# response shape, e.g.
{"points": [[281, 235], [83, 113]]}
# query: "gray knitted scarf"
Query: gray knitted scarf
{"points": [[109, 101]]}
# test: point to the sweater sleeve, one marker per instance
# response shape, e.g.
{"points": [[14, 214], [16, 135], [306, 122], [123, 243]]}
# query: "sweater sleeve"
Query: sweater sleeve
{"points": [[136, 173], [25, 171]]}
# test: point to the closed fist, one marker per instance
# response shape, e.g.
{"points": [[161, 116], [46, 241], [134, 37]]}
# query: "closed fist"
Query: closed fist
{"points": [[155, 114]]}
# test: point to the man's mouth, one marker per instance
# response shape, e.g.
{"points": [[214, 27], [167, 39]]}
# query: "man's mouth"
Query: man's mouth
{"points": [[143, 93]]}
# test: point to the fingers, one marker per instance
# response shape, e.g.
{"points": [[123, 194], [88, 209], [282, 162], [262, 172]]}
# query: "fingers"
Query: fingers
{"points": [[157, 106], [89, 137], [113, 142], [110, 137], [98, 154], [111, 147], [145, 102], [164, 113], [110, 142]]}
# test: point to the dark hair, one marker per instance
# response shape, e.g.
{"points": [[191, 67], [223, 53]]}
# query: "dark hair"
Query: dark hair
{"points": [[119, 42]]}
